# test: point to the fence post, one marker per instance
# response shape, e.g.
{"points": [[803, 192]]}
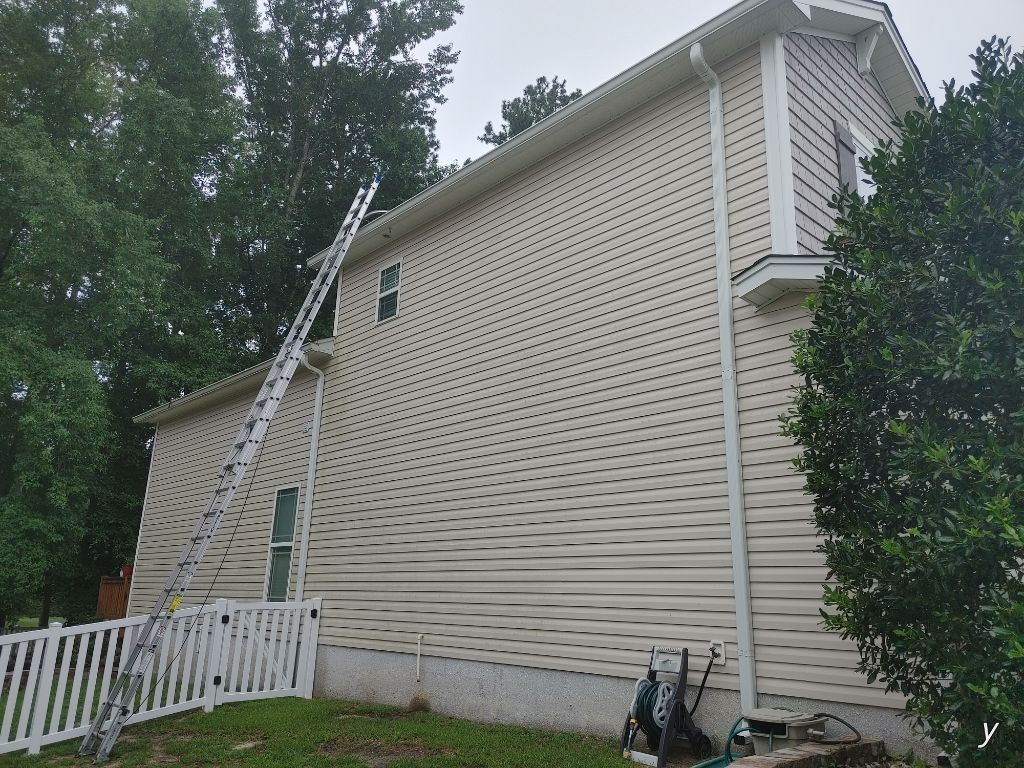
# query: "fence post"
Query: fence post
{"points": [[42, 693], [309, 649], [214, 674]]}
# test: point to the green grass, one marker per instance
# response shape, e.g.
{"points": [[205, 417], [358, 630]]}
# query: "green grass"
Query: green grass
{"points": [[286, 733]]}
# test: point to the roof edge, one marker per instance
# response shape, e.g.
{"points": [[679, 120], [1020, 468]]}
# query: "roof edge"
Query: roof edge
{"points": [[228, 387], [647, 78]]}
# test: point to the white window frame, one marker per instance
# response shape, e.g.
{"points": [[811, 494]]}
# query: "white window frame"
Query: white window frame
{"points": [[273, 545], [397, 290], [863, 148]]}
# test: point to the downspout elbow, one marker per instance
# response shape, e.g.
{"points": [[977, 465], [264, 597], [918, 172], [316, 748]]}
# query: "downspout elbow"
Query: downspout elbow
{"points": [[702, 68]]}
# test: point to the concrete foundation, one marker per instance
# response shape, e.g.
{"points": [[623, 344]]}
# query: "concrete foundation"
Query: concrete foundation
{"points": [[552, 699]]}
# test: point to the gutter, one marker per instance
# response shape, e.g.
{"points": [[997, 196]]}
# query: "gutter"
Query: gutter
{"points": [[314, 448], [730, 408]]}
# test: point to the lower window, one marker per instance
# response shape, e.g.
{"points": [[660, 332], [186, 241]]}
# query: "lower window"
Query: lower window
{"points": [[282, 536]]}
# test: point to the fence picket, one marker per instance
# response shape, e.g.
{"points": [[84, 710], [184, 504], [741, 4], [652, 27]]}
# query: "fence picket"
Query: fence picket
{"points": [[5, 655], [272, 668], [175, 663], [282, 651], [250, 622], [293, 647], [96, 644], [62, 682], [28, 699], [188, 659], [13, 690], [259, 640], [108, 663]]}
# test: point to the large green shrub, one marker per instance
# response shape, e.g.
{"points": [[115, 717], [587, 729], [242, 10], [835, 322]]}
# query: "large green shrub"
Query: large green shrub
{"points": [[911, 417]]}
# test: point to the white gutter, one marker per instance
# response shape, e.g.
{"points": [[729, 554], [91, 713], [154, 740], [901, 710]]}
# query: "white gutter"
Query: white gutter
{"points": [[733, 455], [314, 447]]}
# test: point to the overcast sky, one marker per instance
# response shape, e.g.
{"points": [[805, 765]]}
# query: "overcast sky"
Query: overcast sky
{"points": [[506, 45]]}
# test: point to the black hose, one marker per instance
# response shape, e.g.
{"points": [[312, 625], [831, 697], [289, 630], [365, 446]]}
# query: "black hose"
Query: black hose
{"points": [[856, 734], [703, 681]]}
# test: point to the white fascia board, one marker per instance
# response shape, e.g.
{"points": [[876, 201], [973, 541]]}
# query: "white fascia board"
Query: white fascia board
{"points": [[729, 32], [318, 352], [775, 275]]}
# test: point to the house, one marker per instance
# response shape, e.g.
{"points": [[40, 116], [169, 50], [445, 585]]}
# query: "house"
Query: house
{"points": [[544, 436]]}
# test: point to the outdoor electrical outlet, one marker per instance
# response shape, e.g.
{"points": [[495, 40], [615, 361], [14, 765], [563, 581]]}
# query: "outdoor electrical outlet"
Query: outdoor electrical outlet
{"points": [[718, 645]]}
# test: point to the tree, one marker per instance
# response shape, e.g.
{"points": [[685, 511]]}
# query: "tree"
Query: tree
{"points": [[537, 102], [165, 169], [911, 418], [330, 92]]}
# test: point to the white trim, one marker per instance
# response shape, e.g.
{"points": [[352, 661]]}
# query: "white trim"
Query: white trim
{"points": [[864, 146], [271, 544], [397, 290], [818, 32], [778, 144], [730, 405], [142, 517], [777, 274], [866, 42]]}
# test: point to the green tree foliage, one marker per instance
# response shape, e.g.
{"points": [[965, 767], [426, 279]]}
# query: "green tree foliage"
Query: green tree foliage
{"points": [[912, 415], [537, 102], [166, 167], [329, 91]]}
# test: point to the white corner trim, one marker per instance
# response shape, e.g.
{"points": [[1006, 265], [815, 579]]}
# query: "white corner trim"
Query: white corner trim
{"points": [[866, 42], [778, 144], [730, 405]]}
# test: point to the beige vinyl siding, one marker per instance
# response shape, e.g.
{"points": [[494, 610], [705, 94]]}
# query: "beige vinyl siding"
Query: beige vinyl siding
{"points": [[187, 456], [823, 84], [527, 465], [794, 655]]}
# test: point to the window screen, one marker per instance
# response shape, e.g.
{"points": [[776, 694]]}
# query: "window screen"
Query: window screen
{"points": [[387, 292]]}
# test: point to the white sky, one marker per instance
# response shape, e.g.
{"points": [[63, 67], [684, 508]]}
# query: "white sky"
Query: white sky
{"points": [[506, 45]]}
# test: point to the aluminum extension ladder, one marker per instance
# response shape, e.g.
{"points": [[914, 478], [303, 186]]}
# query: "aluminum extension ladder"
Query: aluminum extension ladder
{"points": [[118, 707]]}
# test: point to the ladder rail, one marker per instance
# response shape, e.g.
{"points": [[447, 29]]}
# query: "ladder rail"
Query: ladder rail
{"points": [[115, 711]]}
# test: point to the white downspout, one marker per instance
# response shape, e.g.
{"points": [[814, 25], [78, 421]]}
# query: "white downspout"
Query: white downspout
{"points": [[733, 455], [307, 505]]}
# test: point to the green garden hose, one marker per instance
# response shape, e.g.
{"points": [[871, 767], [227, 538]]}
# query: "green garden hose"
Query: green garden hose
{"points": [[650, 706]]}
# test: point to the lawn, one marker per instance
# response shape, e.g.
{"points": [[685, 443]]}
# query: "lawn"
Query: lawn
{"points": [[322, 732]]}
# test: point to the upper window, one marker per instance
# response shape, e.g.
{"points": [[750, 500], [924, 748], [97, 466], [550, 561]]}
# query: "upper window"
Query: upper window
{"points": [[853, 147], [861, 152], [282, 536], [387, 291]]}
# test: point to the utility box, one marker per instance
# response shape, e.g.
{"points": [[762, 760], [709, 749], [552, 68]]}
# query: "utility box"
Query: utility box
{"points": [[772, 729]]}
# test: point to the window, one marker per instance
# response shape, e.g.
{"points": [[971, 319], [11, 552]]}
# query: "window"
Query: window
{"points": [[282, 536], [387, 292], [861, 152], [853, 146]]}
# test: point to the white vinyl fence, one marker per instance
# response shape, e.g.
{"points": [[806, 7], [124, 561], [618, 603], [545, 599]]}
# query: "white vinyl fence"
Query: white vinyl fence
{"points": [[55, 680]]}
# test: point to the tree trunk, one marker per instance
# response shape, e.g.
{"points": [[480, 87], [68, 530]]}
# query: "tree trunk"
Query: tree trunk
{"points": [[44, 612]]}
